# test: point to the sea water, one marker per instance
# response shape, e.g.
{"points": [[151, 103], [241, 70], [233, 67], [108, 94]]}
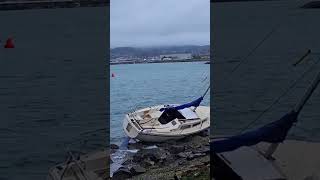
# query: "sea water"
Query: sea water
{"points": [[52, 90], [136, 86]]}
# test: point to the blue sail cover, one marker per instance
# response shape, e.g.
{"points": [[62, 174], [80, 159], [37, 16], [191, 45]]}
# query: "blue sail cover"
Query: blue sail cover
{"points": [[272, 133], [194, 103]]}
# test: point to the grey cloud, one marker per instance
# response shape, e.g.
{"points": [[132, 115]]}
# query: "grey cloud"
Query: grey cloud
{"points": [[161, 22]]}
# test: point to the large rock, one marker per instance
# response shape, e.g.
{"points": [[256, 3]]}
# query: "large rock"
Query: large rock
{"points": [[138, 157], [195, 155], [184, 154], [149, 163], [204, 133], [163, 157], [202, 149], [137, 169], [154, 157], [149, 157], [121, 174], [176, 149], [198, 141], [127, 161], [152, 154], [114, 146], [190, 155], [136, 146]]}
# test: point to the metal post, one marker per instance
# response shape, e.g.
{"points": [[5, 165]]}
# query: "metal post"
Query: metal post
{"points": [[271, 149]]}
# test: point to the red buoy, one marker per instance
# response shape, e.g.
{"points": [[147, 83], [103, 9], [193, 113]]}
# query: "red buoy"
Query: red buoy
{"points": [[112, 75], [9, 43]]}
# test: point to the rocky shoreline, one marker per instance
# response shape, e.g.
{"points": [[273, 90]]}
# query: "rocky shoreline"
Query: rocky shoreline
{"points": [[183, 159]]}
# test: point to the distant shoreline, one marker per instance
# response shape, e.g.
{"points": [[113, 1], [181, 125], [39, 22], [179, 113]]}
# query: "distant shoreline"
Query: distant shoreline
{"points": [[50, 4], [160, 61]]}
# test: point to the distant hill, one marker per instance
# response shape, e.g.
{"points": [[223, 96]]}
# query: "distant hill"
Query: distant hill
{"points": [[156, 51]]}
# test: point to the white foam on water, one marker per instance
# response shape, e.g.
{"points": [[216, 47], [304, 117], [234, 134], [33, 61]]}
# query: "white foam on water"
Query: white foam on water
{"points": [[151, 147], [118, 158], [131, 150], [132, 141]]}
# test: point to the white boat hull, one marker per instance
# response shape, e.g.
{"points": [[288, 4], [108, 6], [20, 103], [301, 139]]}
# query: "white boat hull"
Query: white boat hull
{"points": [[135, 131]]}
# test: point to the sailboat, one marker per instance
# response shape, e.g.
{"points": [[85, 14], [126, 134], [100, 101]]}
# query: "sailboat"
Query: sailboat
{"points": [[167, 122], [236, 158]]}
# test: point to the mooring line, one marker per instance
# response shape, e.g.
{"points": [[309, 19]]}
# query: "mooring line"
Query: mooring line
{"points": [[278, 98]]}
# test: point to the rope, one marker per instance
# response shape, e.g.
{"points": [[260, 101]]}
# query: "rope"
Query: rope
{"points": [[245, 59], [65, 169], [80, 168], [71, 159], [147, 121], [202, 85], [278, 99], [204, 79], [202, 82]]}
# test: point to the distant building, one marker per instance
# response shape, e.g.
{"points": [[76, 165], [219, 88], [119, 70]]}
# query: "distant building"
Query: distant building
{"points": [[176, 56]]}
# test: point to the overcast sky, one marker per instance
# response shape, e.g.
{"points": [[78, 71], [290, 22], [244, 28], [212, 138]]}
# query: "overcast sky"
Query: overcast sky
{"points": [[139, 23]]}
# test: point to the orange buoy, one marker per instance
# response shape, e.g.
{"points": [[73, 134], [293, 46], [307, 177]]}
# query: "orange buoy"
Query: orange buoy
{"points": [[9, 43], [112, 75]]}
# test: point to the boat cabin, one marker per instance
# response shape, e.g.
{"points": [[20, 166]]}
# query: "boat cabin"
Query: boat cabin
{"points": [[170, 114]]}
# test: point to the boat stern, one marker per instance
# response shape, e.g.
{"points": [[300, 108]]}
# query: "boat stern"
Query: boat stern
{"points": [[131, 127]]}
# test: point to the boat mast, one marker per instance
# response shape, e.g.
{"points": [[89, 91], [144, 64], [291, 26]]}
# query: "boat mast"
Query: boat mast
{"points": [[308, 94], [204, 94], [272, 148]]}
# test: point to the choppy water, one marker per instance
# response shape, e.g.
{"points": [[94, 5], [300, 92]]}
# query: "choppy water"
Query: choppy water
{"points": [[239, 97], [52, 88], [143, 85]]}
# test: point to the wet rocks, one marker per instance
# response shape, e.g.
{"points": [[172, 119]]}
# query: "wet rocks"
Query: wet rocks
{"points": [[184, 154], [195, 155], [127, 162], [153, 157], [186, 157], [148, 163], [175, 149], [114, 146], [204, 133], [136, 146], [190, 155], [137, 158], [137, 169], [122, 173], [202, 149], [149, 157]]}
